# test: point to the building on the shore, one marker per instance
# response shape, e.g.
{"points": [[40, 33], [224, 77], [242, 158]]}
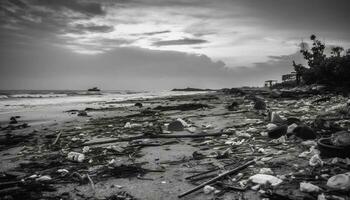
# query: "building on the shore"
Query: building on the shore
{"points": [[289, 77], [270, 83]]}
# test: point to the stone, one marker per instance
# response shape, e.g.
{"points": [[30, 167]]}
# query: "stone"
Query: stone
{"points": [[176, 126], [304, 132], [277, 132], [234, 106], [82, 113], [259, 104], [138, 104]]}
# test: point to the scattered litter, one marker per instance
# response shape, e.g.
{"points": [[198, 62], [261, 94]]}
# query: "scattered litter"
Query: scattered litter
{"points": [[263, 179], [208, 189], [308, 187], [75, 156]]}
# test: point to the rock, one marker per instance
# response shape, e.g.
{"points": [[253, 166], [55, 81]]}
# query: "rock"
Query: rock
{"points": [[234, 106], [277, 132], [259, 104], [13, 120], [308, 187], [315, 161], [176, 126], [263, 179], [339, 181], [341, 138], [138, 104], [275, 93], [82, 113], [292, 120], [304, 132]]}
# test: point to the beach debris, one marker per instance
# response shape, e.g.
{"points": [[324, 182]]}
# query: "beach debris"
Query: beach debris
{"points": [[243, 134], [291, 128], [271, 126], [341, 138], [304, 132], [43, 178], [263, 179], [315, 161], [208, 189], [277, 132], [233, 106], [13, 120], [138, 104], [275, 118], [308, 187], [183, 122], [266, 171], [218, 178], [182, 107], [76, 157], [259, 104], [176, 126], [130, 125], [82, 113], [339, 181]]}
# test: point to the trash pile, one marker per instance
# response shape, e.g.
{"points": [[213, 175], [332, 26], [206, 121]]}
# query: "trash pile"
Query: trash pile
{"points": [[242, 144]]}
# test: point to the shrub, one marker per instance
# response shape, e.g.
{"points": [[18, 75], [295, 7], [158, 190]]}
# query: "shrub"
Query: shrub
{"points": [[331, 71]]}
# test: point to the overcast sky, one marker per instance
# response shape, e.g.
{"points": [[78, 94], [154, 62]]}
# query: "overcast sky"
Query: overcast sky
{"points": [[159, 44]]}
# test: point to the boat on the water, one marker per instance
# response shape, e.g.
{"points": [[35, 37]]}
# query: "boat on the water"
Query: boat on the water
{"points": [[94, 89]]}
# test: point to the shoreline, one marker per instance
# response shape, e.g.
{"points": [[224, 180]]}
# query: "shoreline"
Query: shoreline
{"points": [[154, 167]]}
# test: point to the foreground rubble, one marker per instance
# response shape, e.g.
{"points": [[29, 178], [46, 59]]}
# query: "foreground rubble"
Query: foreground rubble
{"points": [[233, 144]]}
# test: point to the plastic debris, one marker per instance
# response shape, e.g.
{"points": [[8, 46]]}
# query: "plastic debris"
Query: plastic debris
{"points": [[208, 189], [44, 178], [291, 128], [315, 160], [339, 181], [266, 171], [271, 126], [75, 156], [308, 187], [263, 179]]}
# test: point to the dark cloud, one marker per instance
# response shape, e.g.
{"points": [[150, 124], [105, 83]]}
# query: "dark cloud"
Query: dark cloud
{"points": [[155, 32], [185, 41], [86, 7], [81, 28]]}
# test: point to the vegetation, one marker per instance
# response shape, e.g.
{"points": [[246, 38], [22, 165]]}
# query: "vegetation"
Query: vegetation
{"points": [[333, 70]]}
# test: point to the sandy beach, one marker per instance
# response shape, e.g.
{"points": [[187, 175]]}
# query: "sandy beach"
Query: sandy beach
{"points": [[132, 150]]}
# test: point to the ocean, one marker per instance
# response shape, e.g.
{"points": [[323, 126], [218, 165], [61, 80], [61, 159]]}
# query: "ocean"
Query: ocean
{"points": [[38, 106]]}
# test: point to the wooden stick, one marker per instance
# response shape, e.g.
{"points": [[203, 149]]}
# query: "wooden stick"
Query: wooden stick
{"points": [[57, 138], [217, 178], [153, 136]]}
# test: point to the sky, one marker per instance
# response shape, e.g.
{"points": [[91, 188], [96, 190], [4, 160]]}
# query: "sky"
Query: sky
{"points": [[160, 44]]}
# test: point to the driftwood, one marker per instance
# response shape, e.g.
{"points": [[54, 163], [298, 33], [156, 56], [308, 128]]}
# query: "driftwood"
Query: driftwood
{"points": [[152, 136], [217, 178]]}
